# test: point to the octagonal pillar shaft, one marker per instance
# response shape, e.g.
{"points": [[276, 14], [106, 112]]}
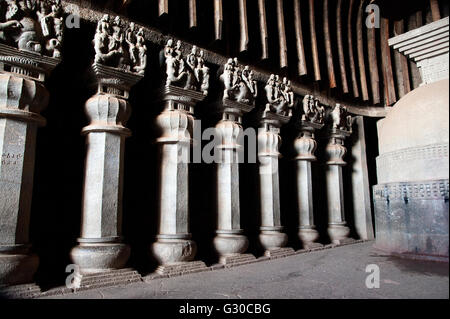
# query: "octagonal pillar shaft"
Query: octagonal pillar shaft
{"points": [[22, 97], [100, 246]]}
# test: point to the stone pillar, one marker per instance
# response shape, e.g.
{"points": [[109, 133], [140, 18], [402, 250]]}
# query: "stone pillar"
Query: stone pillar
{"points": [[174, 250], [360, 182], [230, 242], [271, 238], [100, 248], [22, 97], [187, 83], [240, 91], [306, 145], [335, 151]]}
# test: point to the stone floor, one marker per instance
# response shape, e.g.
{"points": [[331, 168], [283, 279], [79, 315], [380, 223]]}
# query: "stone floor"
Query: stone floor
{"points": [[332, 273]]}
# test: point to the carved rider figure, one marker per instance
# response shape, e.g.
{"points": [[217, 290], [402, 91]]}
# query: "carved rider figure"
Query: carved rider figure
{"points": [[319, 112], [340, 119], [279, 96]]}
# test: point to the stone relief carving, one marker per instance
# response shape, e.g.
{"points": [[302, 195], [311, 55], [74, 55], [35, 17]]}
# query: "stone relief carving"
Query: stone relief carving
{"points": [[239, 83], [312, 110], [32, 25], [340, 119], [118, 47], [279, 95], [190, 73]]}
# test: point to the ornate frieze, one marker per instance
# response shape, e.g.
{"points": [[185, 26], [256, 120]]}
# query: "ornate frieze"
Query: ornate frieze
{"points": [[426, 190], [31, 34], [32, 25], [120, 47]]}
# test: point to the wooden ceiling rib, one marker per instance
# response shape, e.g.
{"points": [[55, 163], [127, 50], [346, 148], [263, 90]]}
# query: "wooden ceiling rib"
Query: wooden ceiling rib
{"points": [[292, 37]]}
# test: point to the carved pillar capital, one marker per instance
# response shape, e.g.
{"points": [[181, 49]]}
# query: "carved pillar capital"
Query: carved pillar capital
{"points": [[335, 149], [305, 144]]}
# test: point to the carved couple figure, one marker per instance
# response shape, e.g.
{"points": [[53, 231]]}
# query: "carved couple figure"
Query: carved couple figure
{"points": [[192, 74], [279, 95], [239, 84]]}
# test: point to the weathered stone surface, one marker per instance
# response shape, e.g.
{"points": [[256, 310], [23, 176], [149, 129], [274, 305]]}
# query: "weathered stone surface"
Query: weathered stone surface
{"points": [[411, 219], [413, 139], [237, 259], [279, 252], [411, 198], [182, 268], [105, 279], [98, 257], [24, 291], [332, 273]]}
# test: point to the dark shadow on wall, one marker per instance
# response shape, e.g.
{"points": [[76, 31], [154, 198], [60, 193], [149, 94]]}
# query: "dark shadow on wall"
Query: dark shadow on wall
{"points": [[56, 202]]}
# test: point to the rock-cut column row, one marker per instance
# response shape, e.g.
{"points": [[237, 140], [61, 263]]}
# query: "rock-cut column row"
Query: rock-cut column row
{"points": [[119, 63]]}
